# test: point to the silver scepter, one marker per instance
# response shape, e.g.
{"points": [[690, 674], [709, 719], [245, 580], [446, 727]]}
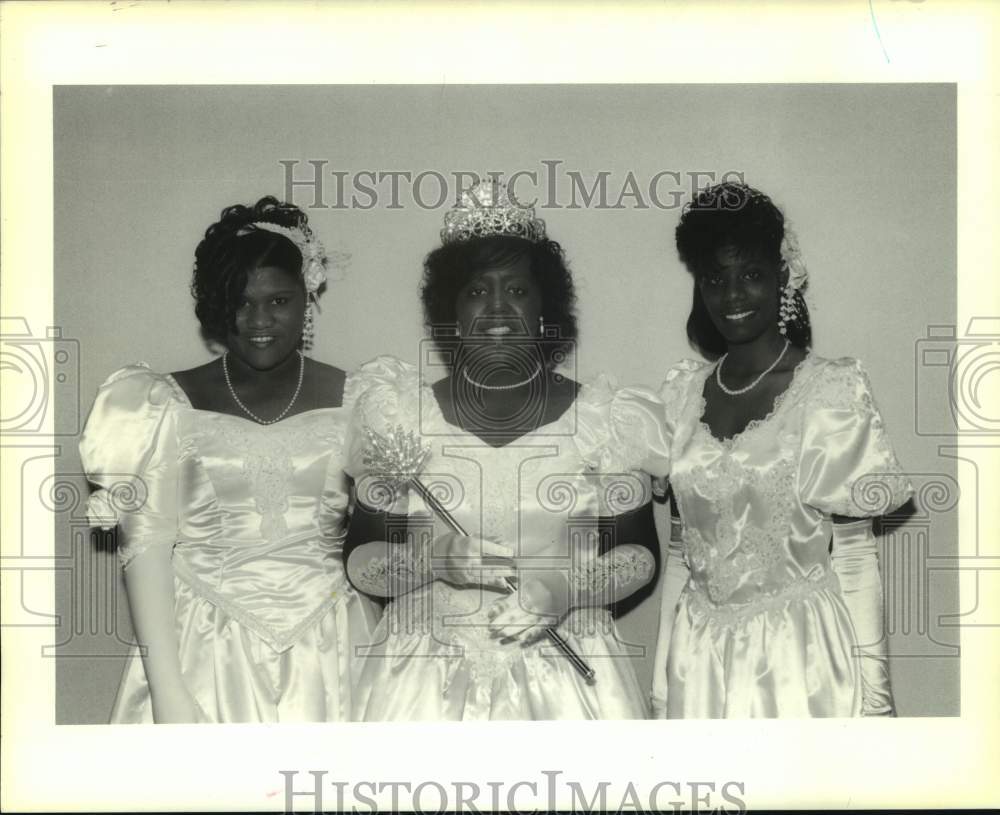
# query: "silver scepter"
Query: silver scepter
{"points": [[401, 455]]}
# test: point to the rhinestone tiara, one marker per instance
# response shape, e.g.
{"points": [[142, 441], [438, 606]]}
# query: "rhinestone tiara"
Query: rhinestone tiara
{"points": [[487, 210], [727, 195]]}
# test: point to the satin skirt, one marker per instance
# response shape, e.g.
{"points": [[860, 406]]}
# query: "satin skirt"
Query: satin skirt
{"points": [[236, 676], [413, 673], [787, 656]]}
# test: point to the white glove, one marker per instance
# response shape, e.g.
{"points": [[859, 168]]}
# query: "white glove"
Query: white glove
{"points": [[855, 560], [675, 576]]}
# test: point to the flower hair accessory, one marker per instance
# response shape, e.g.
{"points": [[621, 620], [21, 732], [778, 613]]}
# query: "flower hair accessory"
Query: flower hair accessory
{"points": [[791, 257], [791, 304], [487, 210], [314, 257]]}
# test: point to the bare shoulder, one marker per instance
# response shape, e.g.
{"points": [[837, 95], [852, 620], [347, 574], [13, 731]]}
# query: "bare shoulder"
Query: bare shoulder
{"points": [[200, 383], [443, 390], [565, 388], [781, 378], [325, 371], [198, 371], [792, 359], [323, 384], [562, 393]]}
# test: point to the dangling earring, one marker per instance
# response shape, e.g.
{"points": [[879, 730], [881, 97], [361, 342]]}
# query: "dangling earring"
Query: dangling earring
{"points": [[308, 328], [788, 310], [541, 326]]}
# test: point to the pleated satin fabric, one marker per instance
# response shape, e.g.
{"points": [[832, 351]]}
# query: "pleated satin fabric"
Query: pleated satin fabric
{"points": [[432, 657], [760, 628], [255, 517]]}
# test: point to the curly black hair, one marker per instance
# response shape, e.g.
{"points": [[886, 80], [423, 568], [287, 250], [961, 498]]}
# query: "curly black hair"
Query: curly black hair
{"points": [[448, 268], [227, 254], [731, 214]]}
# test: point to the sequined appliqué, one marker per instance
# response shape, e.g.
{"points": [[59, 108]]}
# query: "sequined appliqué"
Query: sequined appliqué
{"points": [[735, 554], [268, 467]]}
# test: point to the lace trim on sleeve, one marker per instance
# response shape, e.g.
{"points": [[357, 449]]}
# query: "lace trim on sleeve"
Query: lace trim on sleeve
{"points": [[845, 385], [628, 433], [617, 569], [676, 385], [395, 573], [621, 430]]}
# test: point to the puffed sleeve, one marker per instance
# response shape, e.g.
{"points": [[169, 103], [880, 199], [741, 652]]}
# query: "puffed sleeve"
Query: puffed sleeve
{"points": [[622, 439], [336, 492], [129, 452], [847, 465], [386, 395], [640, 432], [335, 499], [676, 392], [623, 429]]}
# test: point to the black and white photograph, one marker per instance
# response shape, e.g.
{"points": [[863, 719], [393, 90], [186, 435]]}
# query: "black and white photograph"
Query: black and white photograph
{"points": [[551, 333], [606, 411]]}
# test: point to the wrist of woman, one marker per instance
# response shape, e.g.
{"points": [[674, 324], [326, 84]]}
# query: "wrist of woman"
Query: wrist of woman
{"points": [[471, 560], [566, 589]]}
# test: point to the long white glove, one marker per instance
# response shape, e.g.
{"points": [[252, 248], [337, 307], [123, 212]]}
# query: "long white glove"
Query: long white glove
{"points": [[675, 576], [384, 569], [855, 560]]}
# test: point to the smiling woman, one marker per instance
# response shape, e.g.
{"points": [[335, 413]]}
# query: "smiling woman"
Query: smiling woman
{"points": [[539, 469], [772, 602], [231, 549]]}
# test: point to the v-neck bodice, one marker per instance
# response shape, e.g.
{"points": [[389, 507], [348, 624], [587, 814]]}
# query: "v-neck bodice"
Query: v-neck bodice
{"points": [[757, 506], [798, 374]]}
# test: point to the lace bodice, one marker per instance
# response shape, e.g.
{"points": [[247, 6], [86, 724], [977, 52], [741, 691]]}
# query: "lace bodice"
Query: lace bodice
{"points": [[254, 513], [540, 494], [757, 507]]}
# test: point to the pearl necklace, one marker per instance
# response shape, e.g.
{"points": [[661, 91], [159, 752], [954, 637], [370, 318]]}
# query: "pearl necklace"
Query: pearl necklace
{"points": [[245, 409], [752, 385], [511, 387]]}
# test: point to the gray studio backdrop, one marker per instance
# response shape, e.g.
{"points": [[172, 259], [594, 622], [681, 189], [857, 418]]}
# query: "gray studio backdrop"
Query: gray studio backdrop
{"points": [[866, 173]]}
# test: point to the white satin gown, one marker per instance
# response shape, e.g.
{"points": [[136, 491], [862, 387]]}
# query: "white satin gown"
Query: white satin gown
{"points": [[432, 657], [760, 628], [255, 516]]}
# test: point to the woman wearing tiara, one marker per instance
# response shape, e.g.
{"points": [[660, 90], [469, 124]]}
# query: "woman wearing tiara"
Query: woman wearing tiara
{"points": [[776, 453], [227, 487], [536, 470]]}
